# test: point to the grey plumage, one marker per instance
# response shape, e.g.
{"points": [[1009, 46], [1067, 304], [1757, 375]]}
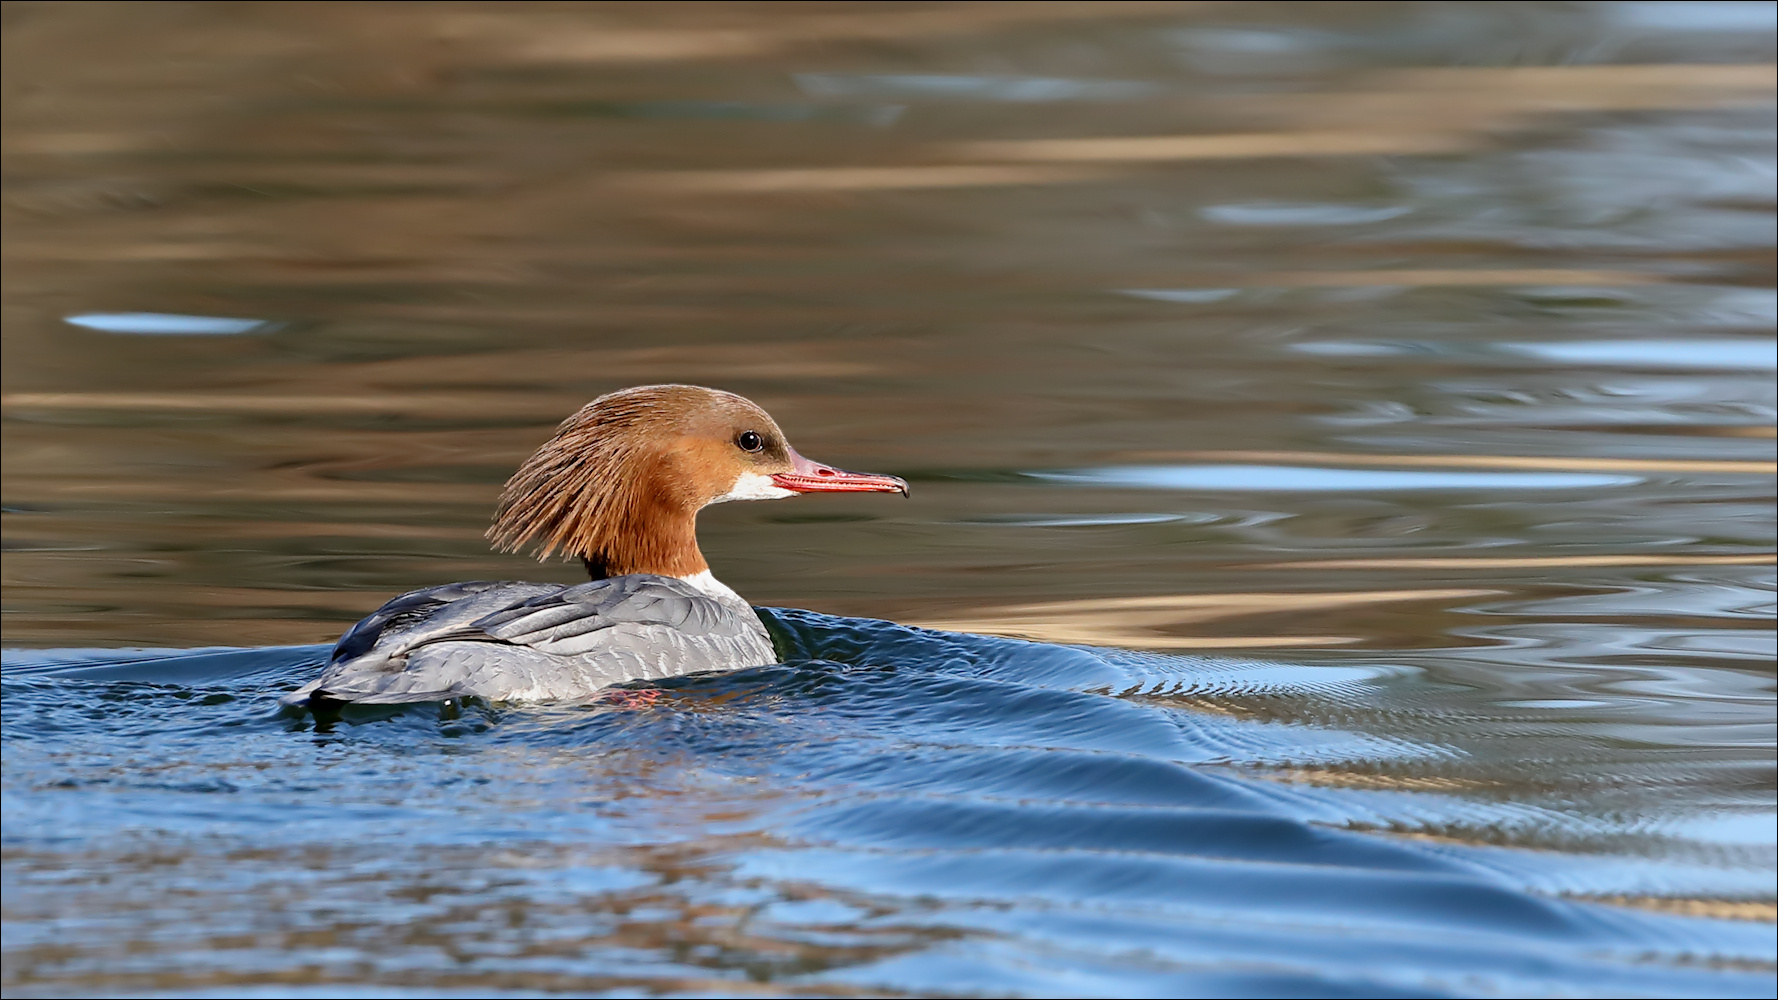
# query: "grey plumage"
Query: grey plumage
{"points": [[537, 641]]}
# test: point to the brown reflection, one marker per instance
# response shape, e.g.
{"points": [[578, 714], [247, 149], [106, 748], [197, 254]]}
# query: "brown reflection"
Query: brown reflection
{"points": [[36, 488], [406, 403], [1762, 911], [1468, 461], [1522, 562], [1378, 780], [110, 614], [1482, 95], [1416, 111], [411, 385], [1233, 146], [846, 179], [1146, 622], [732, 31], [1434, 277], [1400, 113]]}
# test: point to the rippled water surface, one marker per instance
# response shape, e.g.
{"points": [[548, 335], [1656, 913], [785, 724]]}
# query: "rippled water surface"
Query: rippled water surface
{"points": [[1339, 560]]}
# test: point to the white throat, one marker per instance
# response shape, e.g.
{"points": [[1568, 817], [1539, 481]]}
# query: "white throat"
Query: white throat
{"points": [[710, 585], [748, 486], [753, 486]]}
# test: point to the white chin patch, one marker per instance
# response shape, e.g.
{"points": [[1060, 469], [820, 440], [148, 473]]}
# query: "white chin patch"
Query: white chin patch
{"points": [[753, 486]]}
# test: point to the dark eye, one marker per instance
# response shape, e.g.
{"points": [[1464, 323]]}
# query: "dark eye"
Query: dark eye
{"points": [[749, 441]]}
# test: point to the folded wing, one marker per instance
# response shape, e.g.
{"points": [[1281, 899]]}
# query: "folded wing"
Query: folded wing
{"points": [[536, 642]]}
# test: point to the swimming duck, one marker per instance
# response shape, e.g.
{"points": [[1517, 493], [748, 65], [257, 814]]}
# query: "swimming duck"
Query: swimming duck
{"points": [[619, 487]]}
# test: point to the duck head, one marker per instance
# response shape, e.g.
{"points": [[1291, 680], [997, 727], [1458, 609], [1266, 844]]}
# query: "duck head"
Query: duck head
{"points": [[620, 484]]}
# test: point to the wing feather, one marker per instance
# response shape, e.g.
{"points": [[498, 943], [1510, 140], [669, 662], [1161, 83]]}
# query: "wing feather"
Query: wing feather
{"points": [[536, 642]]}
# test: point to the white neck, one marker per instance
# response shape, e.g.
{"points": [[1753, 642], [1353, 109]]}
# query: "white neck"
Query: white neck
{"points": [[709, 584]]}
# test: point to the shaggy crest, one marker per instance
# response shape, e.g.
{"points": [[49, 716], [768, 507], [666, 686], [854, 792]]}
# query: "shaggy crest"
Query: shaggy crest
{"points": [[620, 483]]}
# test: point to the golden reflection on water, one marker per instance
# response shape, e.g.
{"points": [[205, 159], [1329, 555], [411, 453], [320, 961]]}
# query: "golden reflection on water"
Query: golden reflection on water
{"points": [[583, 39], [1721, 909], [1412, 112], [1144, 622]]}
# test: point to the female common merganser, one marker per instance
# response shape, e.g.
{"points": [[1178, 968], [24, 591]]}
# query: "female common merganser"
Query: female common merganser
{"points": [[619, 486]]}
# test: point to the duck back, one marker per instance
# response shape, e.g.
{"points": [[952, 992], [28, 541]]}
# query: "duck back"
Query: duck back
{"points": [[509, 641]]}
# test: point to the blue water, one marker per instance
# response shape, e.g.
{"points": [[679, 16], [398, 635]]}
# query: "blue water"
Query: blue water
{"points": [[890, 809]]}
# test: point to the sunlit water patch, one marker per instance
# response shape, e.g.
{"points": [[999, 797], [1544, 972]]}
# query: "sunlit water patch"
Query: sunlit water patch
{"points": [[1288, 214], [166, 324], [1693, 353], [1751, 354], [1090, 520]]}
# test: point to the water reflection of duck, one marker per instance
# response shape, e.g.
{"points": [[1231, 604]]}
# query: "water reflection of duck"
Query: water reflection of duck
{"points": [[619, 486]]}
